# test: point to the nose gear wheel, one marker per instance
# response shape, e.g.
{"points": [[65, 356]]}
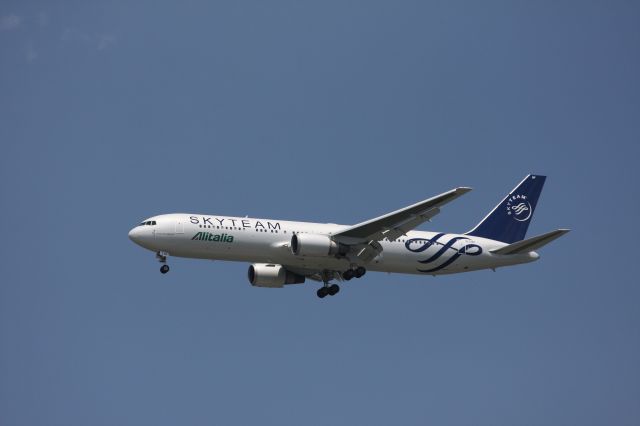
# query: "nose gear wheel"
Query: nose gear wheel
{"points": [[162, 258]]}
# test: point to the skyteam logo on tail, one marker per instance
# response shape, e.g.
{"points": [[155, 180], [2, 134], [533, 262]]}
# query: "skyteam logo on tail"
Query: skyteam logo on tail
{"points": [[519, 208]]}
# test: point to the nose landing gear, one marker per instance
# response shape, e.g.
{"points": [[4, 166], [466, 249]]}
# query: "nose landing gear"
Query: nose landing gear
{"points": [[162, 258]]}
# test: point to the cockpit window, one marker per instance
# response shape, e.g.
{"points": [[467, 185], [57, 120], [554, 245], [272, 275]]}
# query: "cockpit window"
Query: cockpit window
{"points": [[153, 222], [149, 222]]}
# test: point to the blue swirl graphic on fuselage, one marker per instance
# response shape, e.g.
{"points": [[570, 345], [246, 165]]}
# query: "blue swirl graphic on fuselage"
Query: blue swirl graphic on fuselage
{"points": [[469, 250]]}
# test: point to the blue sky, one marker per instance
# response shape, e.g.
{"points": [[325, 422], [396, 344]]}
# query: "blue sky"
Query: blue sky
{"points": [[111, 112]]}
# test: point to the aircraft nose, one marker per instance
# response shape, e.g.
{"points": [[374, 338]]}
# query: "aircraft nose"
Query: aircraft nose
{"points": [[134, 235]]}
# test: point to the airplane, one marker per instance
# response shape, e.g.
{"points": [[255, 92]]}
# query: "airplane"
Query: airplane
{"points": [[285, 252]]}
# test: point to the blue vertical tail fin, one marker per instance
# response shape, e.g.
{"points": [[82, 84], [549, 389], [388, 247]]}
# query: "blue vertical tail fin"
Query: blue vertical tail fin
{"points": [[509, 220]]}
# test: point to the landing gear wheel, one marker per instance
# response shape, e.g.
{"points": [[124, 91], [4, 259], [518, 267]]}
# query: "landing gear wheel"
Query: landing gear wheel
{"points": [[323, 292], [360, 271], [348, 274], [164, 269], [333, 289]]}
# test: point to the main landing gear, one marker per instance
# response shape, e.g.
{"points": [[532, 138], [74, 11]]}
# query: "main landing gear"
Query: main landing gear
{"points": [[353, 273], [328, 290], [162, 258], [332, 289]]}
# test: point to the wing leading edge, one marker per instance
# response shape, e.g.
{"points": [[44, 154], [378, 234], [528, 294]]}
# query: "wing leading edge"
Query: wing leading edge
{"points": [[393, 225]]}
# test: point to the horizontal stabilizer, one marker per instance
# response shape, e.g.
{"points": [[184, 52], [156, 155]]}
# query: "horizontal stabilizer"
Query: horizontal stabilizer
{"points": [[531, 244]]}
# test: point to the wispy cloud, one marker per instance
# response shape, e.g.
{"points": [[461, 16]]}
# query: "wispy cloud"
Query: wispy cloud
{"points": [[31, 53], [98, 41], [74, 35], [43, 19], [10, 22], [106, 40]]}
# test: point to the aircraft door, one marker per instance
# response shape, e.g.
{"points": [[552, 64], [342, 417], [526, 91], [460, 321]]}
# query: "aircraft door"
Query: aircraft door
{"points": [[179, 225]]}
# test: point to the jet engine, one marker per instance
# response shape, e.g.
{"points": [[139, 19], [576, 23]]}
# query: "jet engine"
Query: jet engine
{"points": [[272, 275], [315, 245]]}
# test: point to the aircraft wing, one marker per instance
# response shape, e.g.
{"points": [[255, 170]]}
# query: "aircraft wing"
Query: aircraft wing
{"points": [[393, 225]]}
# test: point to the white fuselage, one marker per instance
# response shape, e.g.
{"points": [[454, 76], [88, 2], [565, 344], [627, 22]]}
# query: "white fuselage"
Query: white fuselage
{"points": [[268, 241]]}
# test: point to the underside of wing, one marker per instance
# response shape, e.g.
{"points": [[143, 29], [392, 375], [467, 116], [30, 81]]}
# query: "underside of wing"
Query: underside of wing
{"points": [[315, 274]]}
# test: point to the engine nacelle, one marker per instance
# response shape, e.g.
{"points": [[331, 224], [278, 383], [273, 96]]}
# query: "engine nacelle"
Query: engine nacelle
{"points": [[315, 245], [272, 275]]}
